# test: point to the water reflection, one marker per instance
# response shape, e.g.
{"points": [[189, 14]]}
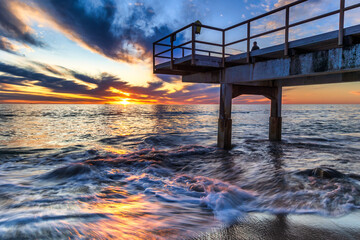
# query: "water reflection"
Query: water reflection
{"points": [[143, 172], [275, 152], [130, 217]]}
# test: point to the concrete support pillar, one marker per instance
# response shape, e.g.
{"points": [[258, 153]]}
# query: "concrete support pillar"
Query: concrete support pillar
{"points": [[275, 116], [225, 122]]}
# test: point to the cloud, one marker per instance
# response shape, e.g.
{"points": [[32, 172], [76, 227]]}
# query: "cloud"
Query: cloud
{"points": [[21, 97], [355, 93], [306, 5], [120, 30], [7, 46], [281, 3], [12, 27], [45, 83], [56, 82]]}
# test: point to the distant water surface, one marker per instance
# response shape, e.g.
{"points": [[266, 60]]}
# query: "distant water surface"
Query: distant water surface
{"points": [[154, 172]]}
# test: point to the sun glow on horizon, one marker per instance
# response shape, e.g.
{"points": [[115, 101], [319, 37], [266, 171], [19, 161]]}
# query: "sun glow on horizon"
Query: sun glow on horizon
{"points": [[124, 101]]}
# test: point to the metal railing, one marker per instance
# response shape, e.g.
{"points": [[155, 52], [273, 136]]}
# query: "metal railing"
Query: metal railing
{"points": [[287, 26], [171, 47]]}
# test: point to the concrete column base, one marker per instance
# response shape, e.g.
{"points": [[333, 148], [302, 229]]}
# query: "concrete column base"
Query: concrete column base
{"points": [[224, 133], [275, 128]]}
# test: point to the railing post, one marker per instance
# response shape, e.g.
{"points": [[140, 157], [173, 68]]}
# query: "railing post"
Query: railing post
{"points": [[341, 22], [287, 22], [183, 52], [154, 57], [193, 44], [223, 48], [248, 42], [172, 52]]}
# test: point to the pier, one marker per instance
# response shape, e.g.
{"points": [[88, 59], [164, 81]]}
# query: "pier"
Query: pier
{"points": [[331, 57]]}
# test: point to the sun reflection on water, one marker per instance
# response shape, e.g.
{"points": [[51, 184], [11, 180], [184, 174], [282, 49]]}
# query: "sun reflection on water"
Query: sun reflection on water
{"points": [[131, 217]]}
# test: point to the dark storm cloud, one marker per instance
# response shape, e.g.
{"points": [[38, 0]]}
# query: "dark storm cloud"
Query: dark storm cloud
{"points": [[11, 80], [109, 28], [99, 28], [12, 27]]}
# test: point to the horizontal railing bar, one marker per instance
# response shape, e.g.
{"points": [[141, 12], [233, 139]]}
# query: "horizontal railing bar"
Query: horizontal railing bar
{"points": [[181, 45], [266, 14], [226, 55], [162, 44], [203, 50], [168, 45], [352, 7], [207, 51], [237, 25], [268, 32], [209, 43], [160, 53], [232, 43], [314, 18], [188, 26], [163, 57], [188, 48], [177, 31], [212, 28], [257, 35], [167, 50]]}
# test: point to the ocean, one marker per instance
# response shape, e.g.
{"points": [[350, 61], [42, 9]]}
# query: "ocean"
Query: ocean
{"points": [[154, 171]]}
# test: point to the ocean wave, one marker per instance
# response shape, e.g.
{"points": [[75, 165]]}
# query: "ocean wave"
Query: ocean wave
{"points": [[186, 183], [66, 172]]}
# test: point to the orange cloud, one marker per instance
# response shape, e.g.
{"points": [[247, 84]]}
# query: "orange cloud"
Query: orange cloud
{"points": [[355, 92]]}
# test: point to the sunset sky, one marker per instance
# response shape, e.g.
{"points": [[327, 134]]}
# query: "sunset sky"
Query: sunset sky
{"points": [[100, 51]]}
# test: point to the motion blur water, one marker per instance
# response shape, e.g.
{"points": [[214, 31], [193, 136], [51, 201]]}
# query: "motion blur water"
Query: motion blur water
{"points": [[151, 171]]}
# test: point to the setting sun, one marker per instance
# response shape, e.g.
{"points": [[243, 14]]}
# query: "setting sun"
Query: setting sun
{"points": [[124, 102]]}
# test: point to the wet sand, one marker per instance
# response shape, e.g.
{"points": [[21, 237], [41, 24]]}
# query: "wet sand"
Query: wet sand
{"points": [[306, 226]]}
